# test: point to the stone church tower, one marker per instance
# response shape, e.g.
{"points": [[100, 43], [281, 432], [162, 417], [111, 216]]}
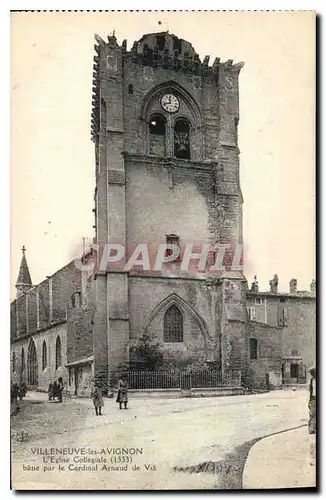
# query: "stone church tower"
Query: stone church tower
{"points": [[164, 125]]}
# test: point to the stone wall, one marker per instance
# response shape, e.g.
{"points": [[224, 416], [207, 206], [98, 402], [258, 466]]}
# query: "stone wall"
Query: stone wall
{"points": [[268, 365], [149, 300], [49, 373], [299, 332], [79, 333], [45, 303]]}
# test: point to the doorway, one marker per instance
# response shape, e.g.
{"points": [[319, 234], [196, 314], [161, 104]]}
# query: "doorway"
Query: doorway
{"points": [[294, 370], [78, 375]]}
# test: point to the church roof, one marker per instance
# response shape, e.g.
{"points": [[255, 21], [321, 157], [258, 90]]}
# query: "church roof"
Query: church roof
{"points": [[24, 277]]}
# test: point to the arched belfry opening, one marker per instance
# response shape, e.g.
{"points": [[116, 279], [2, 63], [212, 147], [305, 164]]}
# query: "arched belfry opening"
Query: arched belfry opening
{"points": [[32, 365], [157, 135], [171, 122], [182, 139]]}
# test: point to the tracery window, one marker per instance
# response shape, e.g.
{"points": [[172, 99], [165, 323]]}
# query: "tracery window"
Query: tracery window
{"points": [[173, 325]]}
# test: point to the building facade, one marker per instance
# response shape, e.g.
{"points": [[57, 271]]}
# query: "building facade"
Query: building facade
{"points": [[295, 312]]}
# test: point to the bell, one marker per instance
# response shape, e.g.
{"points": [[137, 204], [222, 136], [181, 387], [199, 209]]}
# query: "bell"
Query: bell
{"points": [[182, 147]]}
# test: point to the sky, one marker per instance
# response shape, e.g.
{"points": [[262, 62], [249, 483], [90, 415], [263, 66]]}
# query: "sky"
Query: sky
{"points": [[52, 156]]}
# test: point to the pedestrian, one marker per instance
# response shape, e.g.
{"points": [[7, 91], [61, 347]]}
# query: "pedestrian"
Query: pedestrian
{"points": [[21, 393], [24, 389], [50, 391], [15, 392], [97, 400], [11, 392], [312, 416], [54, 393], [60, 388], [312, 401], [122, 396]]}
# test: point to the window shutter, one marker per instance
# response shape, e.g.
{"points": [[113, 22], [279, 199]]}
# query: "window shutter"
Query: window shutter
{"points": [[280, 320], [253, 313], [285, 316]]}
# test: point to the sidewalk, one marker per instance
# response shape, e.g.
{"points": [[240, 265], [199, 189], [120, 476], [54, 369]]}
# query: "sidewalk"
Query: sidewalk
{"points": [[280, 461]]}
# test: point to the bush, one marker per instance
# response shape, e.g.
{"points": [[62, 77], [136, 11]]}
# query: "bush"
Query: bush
{"points": [[147, 353]]}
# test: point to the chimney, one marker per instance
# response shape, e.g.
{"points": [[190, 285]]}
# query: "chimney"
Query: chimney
{"points": [[273, 284], [313, 287], [254, 285], [293, 285]]}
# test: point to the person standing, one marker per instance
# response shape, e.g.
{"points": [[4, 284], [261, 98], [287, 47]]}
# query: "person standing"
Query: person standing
{"points": [[50, 391], [60, 389], [54, 392], [122, 397], [312, 415], [97, 400], [15, 392]]}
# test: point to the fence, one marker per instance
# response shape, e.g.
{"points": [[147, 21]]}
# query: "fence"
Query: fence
{"points": [[179, 379]]}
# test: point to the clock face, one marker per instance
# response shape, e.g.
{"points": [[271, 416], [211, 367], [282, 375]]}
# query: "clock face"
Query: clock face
{"points": [[170, 103]]}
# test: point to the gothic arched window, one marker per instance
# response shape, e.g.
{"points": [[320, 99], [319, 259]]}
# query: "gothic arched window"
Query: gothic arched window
{"points": [[173, 325], [182, 139], [32, 365], [44, 356], [58, 358], [157, 135], [22, 363]]}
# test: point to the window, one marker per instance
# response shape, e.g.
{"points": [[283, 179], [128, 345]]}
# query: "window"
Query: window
{"points": [[282, 316], [32, 365], [44, 356], [14, 362], [130, 89], [177, 44], [157, 135], [258, 301], [182, 139], [160, 42], [22, 360], [211, 258], [294, 353], [253, 348], [172, 239], [173, 325], [58, 359], [282, 299], [251, 313], [76, 299]]}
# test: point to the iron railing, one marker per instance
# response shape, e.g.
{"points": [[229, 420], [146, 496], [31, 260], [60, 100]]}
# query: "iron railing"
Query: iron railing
{"points": [[178, 379]]}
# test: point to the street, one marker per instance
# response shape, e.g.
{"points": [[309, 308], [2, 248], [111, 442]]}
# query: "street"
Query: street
{"points": [[188, 443]]}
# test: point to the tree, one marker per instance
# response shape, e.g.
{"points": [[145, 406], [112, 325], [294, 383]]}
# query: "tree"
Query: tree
{"points": [[148, 353]]}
